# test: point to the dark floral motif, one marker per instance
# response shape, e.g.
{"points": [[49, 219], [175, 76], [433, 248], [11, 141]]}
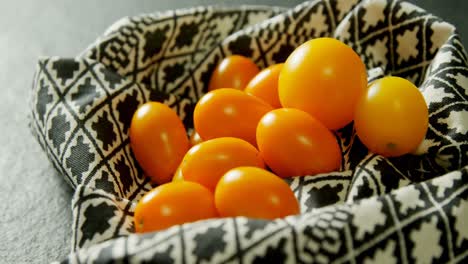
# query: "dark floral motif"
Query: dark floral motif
{"points": [[323, 196], [146, 79], [105, 130], [111, 77], [187, 32], [154, 41], [206, 75], [85, 95], [65, 68], [209, 243], [59, 127], [274, 254], [254, 225], [283, 53], [127, 108], [174, 71], [97, 221], [389, 177], [124, 172], [163, 257], [79, 159], [241, 46], [105, 183], [158, 95], [364, 190], [43, 99]]}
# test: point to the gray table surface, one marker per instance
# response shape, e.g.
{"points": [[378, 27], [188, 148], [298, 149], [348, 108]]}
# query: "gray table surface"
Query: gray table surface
{"points": [[35, 221]]}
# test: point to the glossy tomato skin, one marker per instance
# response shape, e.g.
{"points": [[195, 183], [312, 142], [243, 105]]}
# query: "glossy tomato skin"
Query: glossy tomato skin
{"points": [[255, 193], [178, 176], [293, 143], [234, 71], [325, 78], [392, 117], [173, 204], [229, 113], [159, 140], [206, 162], [265, 85]]}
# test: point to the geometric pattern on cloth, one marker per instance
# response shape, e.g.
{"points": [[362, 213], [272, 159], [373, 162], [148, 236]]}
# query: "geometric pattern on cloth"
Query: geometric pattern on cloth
{"points": [[374, 209]]}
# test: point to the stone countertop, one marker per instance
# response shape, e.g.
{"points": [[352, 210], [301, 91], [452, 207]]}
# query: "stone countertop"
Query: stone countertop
{"points": [[34, 199]]}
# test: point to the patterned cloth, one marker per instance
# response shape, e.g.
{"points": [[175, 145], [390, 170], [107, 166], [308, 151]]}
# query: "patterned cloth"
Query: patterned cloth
{"points": [[374, 210]]}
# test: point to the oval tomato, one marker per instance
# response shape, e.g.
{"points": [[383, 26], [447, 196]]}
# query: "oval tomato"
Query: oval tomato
{"points": [[293, 143], [158, 139], [265, 85], [392, 117], [173, 204], [234, 71], [228, 113], [325, 78], [178, 175], [206, 162], [256, 193]]}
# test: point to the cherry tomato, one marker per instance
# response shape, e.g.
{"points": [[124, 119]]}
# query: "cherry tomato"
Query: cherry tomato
{"points": [[265, 85], [173, 204], [392, 117], [229, 113], [293, 143], [233, 72], [158, 140], [195, 138], [325, 78], [256, 193], [206, 162]]}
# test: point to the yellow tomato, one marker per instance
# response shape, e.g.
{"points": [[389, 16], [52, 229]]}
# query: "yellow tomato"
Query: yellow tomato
{"points": [[325, 78], [256, 193], [159, 140], [392, 117]]}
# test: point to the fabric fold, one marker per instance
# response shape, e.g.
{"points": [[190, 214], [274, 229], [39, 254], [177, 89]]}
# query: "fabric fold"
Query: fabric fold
{"points": [[375, 209]]}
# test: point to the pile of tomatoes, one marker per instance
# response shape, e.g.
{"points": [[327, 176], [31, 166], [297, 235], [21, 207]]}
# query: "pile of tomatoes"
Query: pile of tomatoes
{"points": [[254, 128]]}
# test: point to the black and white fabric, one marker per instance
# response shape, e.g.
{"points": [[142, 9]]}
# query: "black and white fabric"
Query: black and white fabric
{"points": [[411, 209]]}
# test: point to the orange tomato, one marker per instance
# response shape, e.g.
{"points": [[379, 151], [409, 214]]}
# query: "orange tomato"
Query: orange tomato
{"points": [[325, 78], [293, 143], [234, 71], [228, 113], [392, 117], [256, 193], [178, 175], [173, 204], [158, 139], [265, 85], [206, 162]]}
